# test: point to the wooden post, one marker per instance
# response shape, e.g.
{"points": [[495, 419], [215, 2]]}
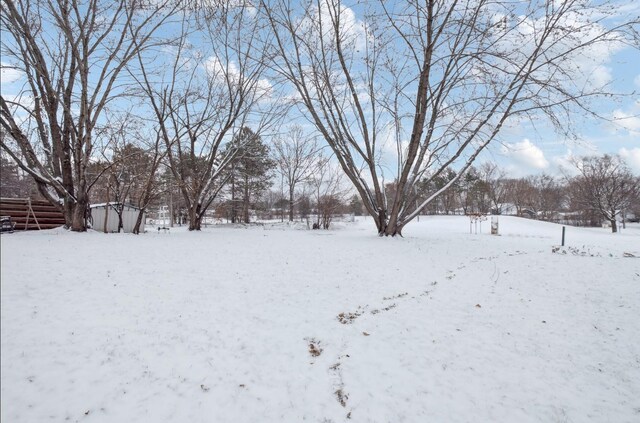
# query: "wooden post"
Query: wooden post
{"points": [[34, 215], [563, 230], [494, 225]]}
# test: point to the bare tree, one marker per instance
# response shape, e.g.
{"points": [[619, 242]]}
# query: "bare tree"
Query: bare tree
{"points": [[121, 160], [72, 54], [605, 185], [522, 194], [214, 87], [493, 179], [149, 184], [437, 80], [548, 196], [296, 155], [127, 171], [327, 191]]}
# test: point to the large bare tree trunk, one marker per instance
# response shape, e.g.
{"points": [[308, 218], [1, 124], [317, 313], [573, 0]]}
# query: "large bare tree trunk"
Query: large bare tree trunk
{"points": [[79, 223], [68, 212], [291, 202], [442, 77], [72, 54], [234, 204], [245, 201], [195, 217], [136, 227]]}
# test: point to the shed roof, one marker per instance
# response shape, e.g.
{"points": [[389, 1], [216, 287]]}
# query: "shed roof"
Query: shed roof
{"points": [[113, 204]]}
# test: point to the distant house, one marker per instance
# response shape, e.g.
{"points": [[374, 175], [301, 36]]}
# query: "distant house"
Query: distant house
{"points": [[104, 217], [505, 209]]}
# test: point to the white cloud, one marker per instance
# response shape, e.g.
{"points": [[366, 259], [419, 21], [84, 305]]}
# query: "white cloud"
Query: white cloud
{"points": [[526, 153], [565, 164], [231, 73], [9, 74], [601, 76], [632, 157], [219, 71], [352, 29], [586, 66], [627, 121], [19, 106], [19, 103]]}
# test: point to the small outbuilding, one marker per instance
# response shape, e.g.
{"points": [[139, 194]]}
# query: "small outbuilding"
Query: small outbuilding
{"points": [[105, 217]]}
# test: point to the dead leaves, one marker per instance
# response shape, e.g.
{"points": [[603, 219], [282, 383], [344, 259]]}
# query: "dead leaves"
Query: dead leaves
{"points": [[348, 318], [389, 307], [342, 397], [314, 350], [395, 296]]}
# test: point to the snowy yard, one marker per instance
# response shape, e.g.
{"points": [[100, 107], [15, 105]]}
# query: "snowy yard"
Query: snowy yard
{"points": [[274, 325]]}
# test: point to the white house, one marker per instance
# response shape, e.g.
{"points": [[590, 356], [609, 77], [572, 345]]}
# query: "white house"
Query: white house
{"points": [[104, 217]]}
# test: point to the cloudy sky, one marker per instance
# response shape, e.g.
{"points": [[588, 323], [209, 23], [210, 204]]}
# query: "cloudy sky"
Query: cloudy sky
{"points": [[534, 151], [525, 149]]}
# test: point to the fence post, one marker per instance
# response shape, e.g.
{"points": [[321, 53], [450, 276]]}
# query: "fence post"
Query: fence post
{"points": [[494, 225], [563, 229]]}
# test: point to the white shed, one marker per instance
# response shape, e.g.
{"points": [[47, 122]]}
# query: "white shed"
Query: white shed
{"points": [[104, 217]]}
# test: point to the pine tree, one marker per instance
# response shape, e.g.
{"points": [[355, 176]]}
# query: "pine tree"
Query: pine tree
{"points": [[249, 174]]}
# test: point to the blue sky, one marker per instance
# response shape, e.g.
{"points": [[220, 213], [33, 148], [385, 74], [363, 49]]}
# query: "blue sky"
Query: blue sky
{"points": [[525, 150], [531, 152]]}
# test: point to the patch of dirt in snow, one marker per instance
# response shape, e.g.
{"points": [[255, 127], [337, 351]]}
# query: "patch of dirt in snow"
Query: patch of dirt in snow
{"points": [[339, 387], [347, 318], [395, 296], [341, 396], [583, 251], [314, 347], [387, 308]]}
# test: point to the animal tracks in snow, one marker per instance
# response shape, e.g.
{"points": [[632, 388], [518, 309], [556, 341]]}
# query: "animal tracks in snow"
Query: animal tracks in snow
{"points": [[387, 303], [314, 347], [347, 318]]}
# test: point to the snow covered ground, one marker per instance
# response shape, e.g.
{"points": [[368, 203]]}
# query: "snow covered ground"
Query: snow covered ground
{"points": [[267, 324]]}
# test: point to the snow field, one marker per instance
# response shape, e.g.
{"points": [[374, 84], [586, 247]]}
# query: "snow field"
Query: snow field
{"points": [[218, 326]]}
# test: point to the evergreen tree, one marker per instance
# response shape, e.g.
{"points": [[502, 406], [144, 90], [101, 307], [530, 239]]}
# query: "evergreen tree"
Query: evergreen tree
{"points": [[355, 206], [249, 174]]}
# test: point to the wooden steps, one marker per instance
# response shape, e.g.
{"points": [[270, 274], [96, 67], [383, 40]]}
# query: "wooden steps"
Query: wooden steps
{"points": [[31, 214]]}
